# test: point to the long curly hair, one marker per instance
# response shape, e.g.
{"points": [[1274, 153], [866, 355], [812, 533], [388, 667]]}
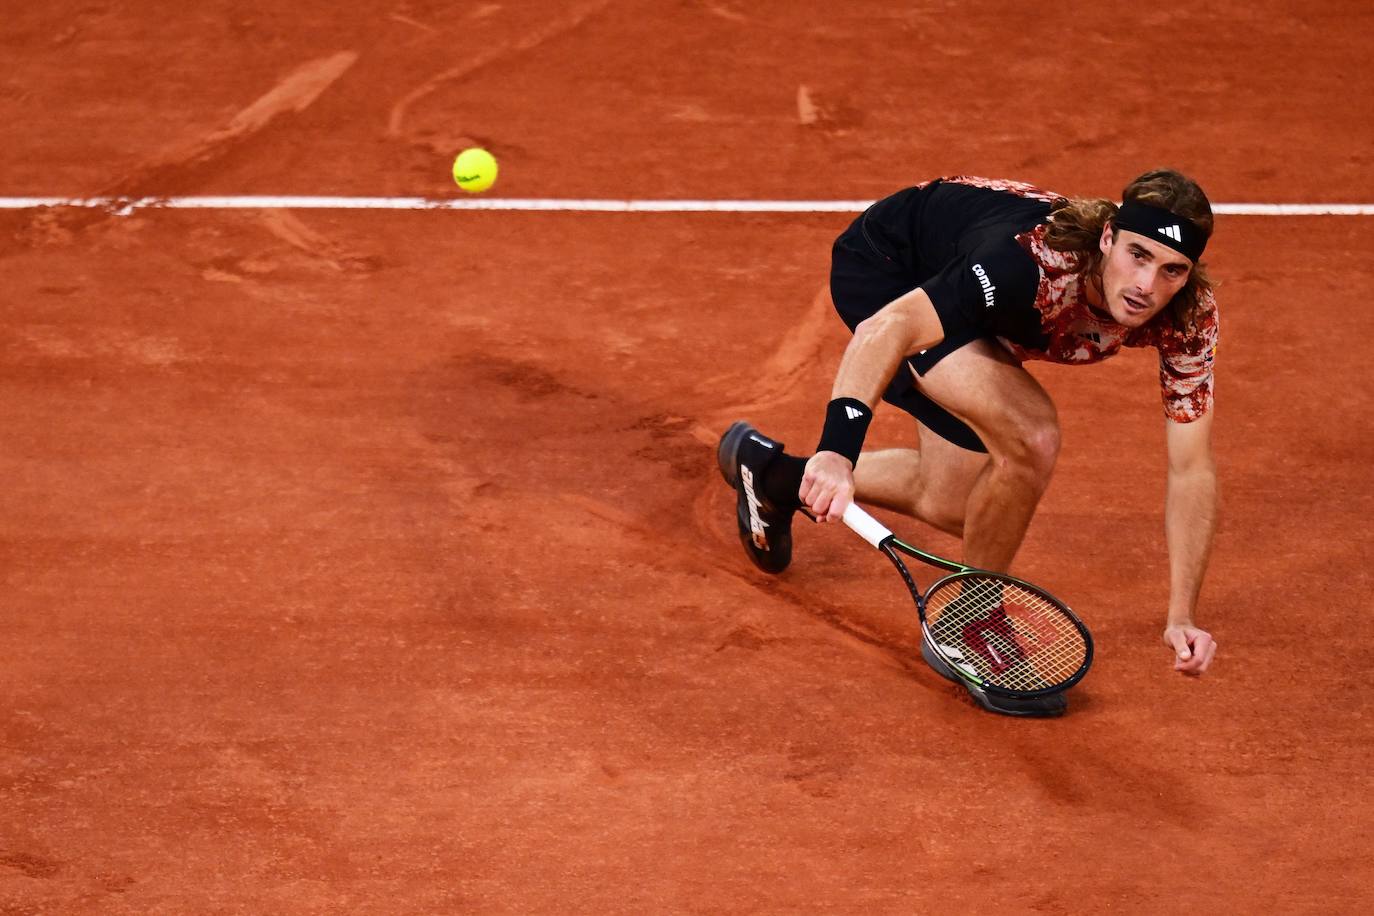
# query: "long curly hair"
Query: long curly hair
{"points": [[1076, 225]]}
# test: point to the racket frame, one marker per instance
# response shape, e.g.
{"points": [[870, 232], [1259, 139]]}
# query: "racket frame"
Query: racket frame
{"points": [[879, 536]]}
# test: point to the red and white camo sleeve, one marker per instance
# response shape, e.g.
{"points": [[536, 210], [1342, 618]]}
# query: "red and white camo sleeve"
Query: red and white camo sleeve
{"points": [[1185, 365]]}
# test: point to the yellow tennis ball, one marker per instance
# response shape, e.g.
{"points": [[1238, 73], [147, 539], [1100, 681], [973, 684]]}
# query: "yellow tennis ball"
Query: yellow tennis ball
{"points": [[474, 170]]}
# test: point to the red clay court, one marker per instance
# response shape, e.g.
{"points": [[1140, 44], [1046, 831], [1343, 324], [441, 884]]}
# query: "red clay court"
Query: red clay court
{"points": [[375, 561]]}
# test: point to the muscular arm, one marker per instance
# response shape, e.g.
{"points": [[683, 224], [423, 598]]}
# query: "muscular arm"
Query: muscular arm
{"points": [[904, 326], [1190, 515]]}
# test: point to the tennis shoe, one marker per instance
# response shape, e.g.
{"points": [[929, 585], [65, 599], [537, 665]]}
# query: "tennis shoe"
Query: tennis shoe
{"points": [[765, 530]]}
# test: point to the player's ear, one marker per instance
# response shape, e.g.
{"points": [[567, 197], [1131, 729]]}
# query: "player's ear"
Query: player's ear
{"points": [[1108, 236]]}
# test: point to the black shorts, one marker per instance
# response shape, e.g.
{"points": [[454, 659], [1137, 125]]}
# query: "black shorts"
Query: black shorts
{"points": [[863, 279]]}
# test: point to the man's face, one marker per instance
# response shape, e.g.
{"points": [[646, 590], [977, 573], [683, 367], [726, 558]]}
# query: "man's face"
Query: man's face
{"points": [[1139, 276]]}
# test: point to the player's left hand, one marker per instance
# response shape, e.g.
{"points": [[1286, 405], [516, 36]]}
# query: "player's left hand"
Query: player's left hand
{"points": [[1193, 648]]}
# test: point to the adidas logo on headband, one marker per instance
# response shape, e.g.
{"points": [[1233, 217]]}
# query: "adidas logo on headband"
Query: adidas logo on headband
{"points": [[1173, 230]]}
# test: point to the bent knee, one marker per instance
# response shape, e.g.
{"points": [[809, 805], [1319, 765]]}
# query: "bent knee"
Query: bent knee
{"points": [[1042, 445], [1029, 448]]}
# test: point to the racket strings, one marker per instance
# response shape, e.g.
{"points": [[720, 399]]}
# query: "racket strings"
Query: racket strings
{"points": [[1009, 635]]}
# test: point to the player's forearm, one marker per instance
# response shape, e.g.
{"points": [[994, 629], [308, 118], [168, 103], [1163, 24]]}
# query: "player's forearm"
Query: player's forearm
{"points": [[869, 362], [1190, 519], [881, 342]]}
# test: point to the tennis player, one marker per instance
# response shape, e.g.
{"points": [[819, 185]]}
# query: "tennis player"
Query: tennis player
{"points": [[948, 287]]}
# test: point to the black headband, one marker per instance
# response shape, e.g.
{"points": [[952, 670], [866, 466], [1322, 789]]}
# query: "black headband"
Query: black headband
{"points": [[1163, 226]]}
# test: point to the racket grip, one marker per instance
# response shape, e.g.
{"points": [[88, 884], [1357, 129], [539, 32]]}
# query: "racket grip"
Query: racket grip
{"points": [[865, 525]]}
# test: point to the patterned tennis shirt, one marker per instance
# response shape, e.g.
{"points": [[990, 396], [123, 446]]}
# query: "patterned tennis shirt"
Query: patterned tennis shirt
{"points": [[1074, 333], [994, 275]]}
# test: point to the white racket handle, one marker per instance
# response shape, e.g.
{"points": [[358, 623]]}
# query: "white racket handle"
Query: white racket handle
{"points": [[865, 525]]}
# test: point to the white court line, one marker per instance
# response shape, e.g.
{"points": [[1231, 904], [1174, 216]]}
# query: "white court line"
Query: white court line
{"points": [[125, 205]]}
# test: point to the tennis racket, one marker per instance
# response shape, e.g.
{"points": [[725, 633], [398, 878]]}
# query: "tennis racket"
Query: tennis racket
{"points": [[999, 634]]}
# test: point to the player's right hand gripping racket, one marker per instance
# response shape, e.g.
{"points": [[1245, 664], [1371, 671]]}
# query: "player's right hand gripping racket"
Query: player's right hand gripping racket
{"points": [[997, 633]]}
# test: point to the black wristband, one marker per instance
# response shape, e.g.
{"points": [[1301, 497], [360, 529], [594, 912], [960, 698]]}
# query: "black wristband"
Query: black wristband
{"points": [[846, 424]]}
